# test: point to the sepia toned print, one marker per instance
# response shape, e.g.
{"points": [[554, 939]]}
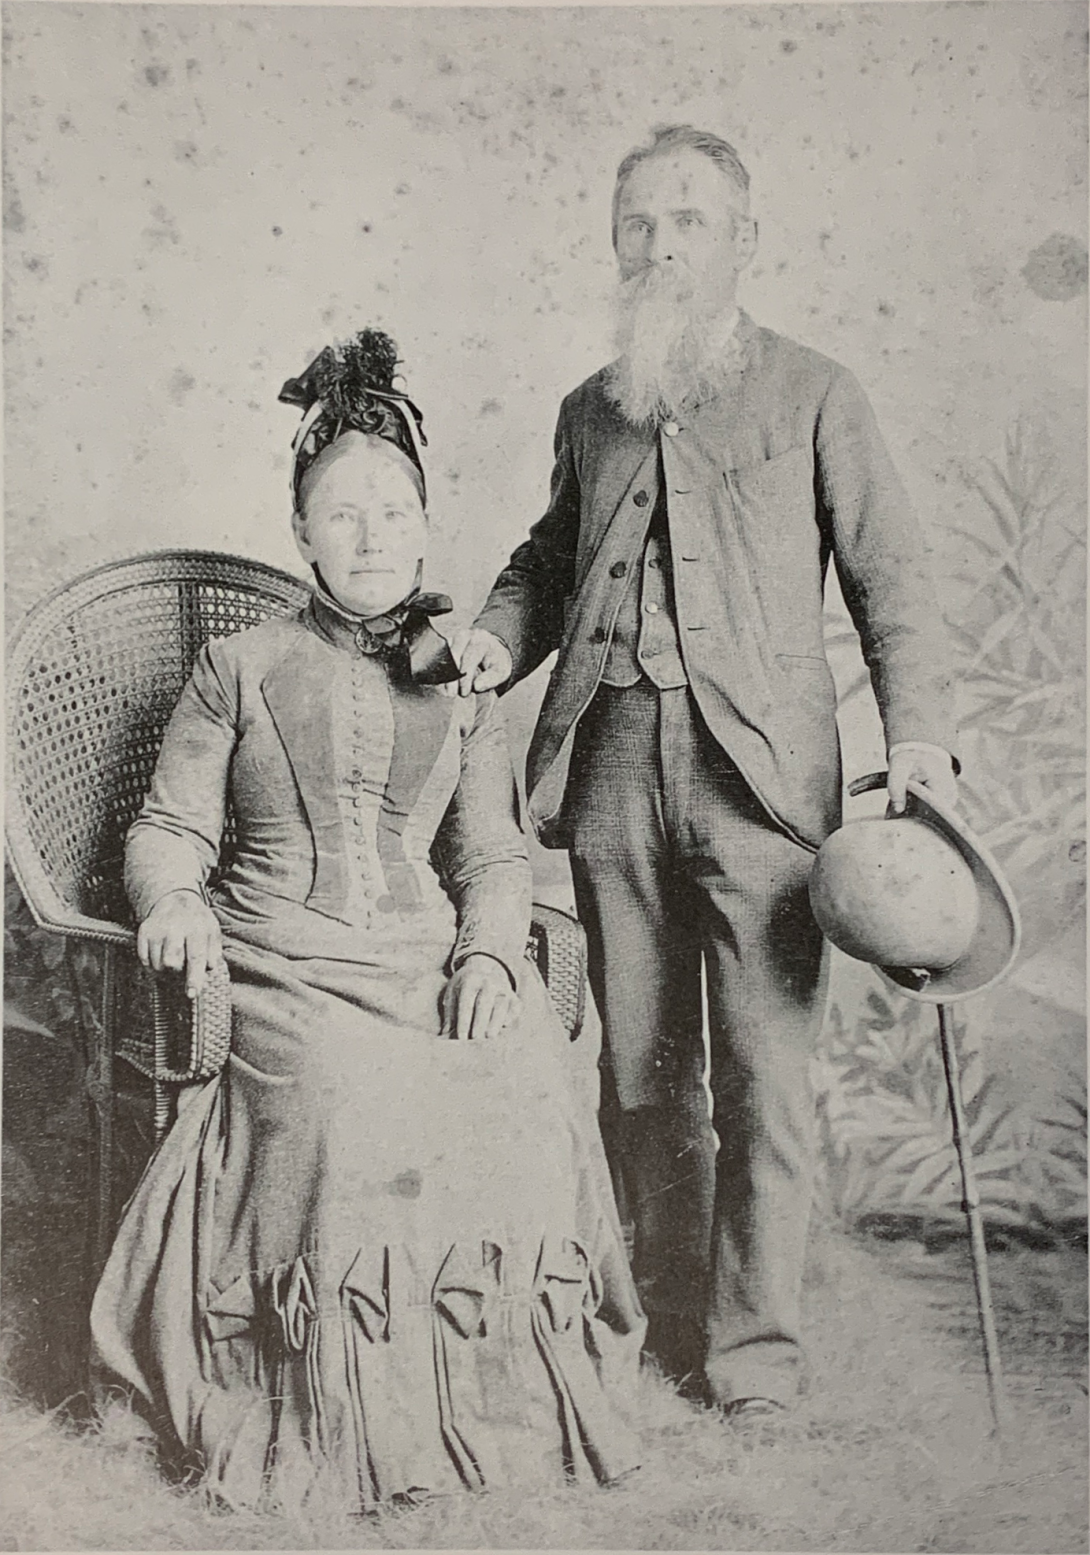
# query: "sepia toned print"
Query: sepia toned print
{"points": [[832, 485]]}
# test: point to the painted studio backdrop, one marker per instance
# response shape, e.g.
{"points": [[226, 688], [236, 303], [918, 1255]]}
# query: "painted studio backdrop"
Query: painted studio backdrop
{"points": [[197, 199]]}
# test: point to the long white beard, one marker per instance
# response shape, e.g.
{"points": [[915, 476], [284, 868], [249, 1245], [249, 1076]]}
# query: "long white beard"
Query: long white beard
{"points": [[676, 345]]}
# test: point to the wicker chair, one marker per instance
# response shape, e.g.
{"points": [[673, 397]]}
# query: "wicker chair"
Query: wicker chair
{"points": [[94, 672]]}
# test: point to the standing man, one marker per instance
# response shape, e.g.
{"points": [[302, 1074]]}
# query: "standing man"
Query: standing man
{"points": [[686, 752]]}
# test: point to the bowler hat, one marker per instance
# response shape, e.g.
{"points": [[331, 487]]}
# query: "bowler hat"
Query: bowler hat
{"points": [[918, 896]]}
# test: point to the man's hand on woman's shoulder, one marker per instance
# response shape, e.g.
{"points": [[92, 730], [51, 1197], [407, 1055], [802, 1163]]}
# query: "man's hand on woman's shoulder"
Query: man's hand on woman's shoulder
{"points": [[485, 662], [181, 933]]}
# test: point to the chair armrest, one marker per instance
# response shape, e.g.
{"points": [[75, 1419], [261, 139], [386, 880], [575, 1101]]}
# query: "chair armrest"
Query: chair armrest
{"points": [[198, 1031], [558, 948], [189, 1039]]}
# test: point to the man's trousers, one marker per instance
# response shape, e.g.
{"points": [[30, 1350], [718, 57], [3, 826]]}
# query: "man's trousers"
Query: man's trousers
{"points": [[675, 864]]}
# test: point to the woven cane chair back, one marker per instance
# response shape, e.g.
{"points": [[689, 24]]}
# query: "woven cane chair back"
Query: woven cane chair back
{"points": [[94, 672]]}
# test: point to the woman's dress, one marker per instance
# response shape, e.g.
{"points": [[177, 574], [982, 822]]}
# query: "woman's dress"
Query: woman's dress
{"points": [[366, 1261]]}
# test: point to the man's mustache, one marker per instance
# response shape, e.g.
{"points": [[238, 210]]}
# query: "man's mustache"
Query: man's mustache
{"points": [[657, 278], [657, 289]]}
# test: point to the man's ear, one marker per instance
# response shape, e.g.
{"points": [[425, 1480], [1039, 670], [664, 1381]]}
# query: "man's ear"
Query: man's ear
{"points": [[745, 241]]}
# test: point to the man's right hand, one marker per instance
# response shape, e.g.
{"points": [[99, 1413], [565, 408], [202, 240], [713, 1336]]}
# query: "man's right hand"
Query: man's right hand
{"points": [[181, 932], [484, 661]]}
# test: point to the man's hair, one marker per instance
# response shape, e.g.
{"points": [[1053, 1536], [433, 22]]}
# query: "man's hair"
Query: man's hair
{"points": [[683, 137]]}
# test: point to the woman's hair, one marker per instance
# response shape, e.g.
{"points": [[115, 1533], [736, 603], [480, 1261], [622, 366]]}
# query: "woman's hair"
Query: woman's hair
{"points": [[352, 386]]}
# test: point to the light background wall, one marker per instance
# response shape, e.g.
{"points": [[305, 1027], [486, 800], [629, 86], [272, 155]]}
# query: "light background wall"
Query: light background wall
{"points": [[198, 198]]}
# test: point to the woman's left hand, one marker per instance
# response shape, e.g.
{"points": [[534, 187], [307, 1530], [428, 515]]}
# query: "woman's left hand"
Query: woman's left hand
{"points": [[478, 1001]]}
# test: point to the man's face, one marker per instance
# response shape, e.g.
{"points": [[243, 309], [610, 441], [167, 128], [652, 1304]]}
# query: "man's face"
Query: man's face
{"points": [[680, 215], [363, 526]]}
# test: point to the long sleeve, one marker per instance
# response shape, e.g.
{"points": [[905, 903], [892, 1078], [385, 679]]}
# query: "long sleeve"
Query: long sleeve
{"points": [[884, 571], [174, 842], [526, 606], [480, 851]]}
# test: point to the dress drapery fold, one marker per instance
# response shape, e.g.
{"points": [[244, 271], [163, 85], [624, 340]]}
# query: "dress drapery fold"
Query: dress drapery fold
{"points": [[366, 1261]]}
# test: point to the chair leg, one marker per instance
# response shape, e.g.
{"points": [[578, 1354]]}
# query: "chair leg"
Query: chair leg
{"points": [[100, 1088]]}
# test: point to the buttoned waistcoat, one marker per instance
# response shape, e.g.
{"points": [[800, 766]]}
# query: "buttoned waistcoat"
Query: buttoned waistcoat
{"points": [[784, 471]]}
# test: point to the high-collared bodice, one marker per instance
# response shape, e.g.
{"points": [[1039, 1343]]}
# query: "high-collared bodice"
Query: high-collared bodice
{"points": [[365, 688], [345, 779]]}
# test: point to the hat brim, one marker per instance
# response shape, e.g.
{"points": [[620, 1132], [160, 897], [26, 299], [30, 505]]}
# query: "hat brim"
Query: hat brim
{"points": [[998, 935]]}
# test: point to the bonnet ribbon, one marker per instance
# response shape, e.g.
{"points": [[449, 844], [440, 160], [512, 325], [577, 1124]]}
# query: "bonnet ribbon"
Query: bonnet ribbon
{"points": [[403, 635], [303, 392], [406, 634]]}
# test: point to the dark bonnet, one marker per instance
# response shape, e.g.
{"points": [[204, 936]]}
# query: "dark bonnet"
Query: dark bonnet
{"points": [[352, 383]]}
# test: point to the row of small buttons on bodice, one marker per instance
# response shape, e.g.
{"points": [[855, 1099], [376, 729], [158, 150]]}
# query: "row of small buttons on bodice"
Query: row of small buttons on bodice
{"points": [[362, 807]]}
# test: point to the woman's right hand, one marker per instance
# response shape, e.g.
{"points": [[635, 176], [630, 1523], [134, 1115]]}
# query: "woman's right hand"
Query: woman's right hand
{"points": [[181, 932]]}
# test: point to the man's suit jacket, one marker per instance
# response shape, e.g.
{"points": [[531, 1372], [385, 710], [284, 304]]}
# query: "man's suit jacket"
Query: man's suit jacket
{"points": [[784, 470]]}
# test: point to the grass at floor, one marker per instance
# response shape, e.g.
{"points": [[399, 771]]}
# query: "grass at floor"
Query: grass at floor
{"points": [[889, 1452]]}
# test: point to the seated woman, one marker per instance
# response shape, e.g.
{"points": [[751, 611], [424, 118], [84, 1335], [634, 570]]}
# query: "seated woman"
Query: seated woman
{"points": [[378, 1255]]}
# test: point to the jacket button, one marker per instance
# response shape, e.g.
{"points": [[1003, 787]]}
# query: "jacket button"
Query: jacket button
{"points": [[598, 635], [618, 569], [641, 499]]}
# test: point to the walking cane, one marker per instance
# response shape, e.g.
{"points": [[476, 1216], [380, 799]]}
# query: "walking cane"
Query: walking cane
{"points": [[941, 992], [970, 1203]]}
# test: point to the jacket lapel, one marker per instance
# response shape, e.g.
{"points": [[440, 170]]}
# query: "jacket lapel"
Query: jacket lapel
{"points": [[422, 720], [595, 607], [297, 692], [614, 455], [617, 461]]}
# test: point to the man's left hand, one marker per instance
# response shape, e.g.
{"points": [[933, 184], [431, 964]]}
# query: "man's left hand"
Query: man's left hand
{"points": [[478, 1001], [933, 769]]}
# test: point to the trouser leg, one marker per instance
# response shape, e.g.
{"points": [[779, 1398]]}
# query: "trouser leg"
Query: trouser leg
{"points": [[658, 1137], [765, 978], [762, 1039], [645, 975]]}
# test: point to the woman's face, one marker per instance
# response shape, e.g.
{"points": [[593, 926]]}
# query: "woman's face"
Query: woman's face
{"points": [[362, 526]]}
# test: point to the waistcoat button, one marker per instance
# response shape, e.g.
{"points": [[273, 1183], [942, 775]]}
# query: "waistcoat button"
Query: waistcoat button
{"points": [[618, 570], [641, 499]]}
